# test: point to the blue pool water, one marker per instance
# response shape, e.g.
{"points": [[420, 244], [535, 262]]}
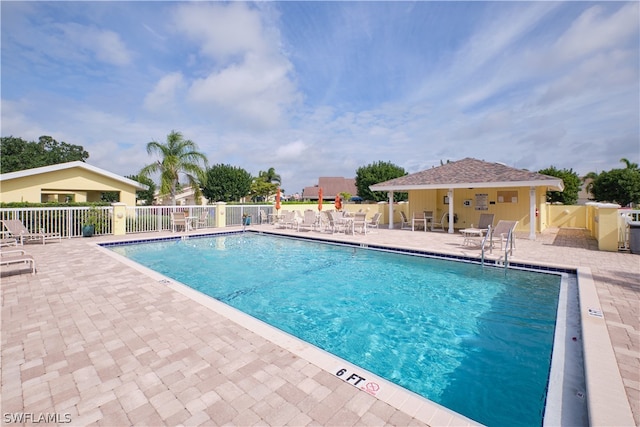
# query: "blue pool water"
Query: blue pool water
{"points": [[476, 340]]}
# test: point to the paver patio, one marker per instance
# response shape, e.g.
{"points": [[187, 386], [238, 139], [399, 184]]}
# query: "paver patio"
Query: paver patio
{"points": [[102, 343]]}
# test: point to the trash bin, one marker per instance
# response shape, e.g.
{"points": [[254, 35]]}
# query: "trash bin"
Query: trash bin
{"points": [[634, 237]]}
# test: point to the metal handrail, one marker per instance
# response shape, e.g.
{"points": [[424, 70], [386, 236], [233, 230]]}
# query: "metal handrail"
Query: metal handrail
{"points": [[508, 248], [484, 240]]}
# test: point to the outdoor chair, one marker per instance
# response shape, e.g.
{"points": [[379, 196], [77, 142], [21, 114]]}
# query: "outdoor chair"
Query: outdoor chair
{"points": [[309, 220], [404, 223], [10, 241], [16, 228], [375, 221], [336, 222], [485, 221], [359, 223], [263, 217], [287, 219], [179, 219], [203, 219], [439, 223], [421, 219], [501, 233], [17, 257]]}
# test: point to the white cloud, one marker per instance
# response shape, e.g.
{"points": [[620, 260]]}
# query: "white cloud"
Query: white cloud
{"points": [[223, 30], [104, 45], [593, 32], [163, 94], [292, 151], [249, 83]]}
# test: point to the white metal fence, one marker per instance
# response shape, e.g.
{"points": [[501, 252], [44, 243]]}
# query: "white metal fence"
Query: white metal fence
{"points": [[235, 214], [143, 219], [69, 221]]}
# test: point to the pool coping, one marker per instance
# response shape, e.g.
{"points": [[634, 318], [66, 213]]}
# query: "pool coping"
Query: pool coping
{"points": [[605, 394]]}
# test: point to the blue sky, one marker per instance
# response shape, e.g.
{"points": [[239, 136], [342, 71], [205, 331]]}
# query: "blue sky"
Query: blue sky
{"points": [[322, 88]]}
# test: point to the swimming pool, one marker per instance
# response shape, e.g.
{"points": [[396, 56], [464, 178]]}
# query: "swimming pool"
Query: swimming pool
{"points": [[475, 340]]}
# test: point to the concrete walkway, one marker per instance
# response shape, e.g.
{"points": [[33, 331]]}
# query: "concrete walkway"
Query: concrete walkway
{"points": [[94, 341]]}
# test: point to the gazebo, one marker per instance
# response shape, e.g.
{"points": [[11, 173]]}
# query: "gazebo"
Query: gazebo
{"points": [[470, 186]]}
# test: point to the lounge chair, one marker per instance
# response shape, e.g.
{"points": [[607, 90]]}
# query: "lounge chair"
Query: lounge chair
{"points": [[287, 219], [439, 223], [179, 219], [10, 241], [336, 222], [16, 228], [501, 232], [404, 222], [17, 257], [309, 220]]}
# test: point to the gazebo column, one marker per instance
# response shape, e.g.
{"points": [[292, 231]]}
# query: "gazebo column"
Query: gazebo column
{"points": [[532, 213], [450, 195], [390, 210]]}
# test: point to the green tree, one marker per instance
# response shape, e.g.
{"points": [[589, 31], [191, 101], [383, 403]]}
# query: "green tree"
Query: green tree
{"points": [[226, 183], [145, 195], [261, 189], [376, 173], [17, 154], [177, 156], [621, 186], [572, 184]]}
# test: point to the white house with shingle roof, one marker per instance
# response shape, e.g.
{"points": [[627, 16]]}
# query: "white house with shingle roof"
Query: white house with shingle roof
{"points": [[465, 188]]}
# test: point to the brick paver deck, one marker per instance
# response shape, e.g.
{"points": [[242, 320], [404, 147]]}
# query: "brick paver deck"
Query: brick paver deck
{"points": [[102, 343]]}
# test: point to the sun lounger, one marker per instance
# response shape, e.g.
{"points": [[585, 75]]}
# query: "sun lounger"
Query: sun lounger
{"points": [[11, 241], [16, 228], [309, 220], [17, 257]]}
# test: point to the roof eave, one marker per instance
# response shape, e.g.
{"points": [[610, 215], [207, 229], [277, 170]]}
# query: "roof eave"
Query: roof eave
{"points": [[555, 184]]}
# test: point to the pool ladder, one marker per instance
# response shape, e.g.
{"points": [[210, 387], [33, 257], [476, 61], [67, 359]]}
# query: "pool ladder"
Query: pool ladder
{"points": [[508, 247]]}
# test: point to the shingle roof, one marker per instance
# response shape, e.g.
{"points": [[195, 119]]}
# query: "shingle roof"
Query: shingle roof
{"points": [[331, 186], [469, 173]]}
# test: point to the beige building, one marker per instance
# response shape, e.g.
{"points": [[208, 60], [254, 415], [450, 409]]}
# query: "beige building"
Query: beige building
{"points": [[469, 187], [66, 182]]}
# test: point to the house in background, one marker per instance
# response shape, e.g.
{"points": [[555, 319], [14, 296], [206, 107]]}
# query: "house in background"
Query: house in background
{"points": [[185, 197], [331, 187], [66, 182]]}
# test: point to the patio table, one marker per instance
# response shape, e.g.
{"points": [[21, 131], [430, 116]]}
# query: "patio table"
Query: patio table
{"points": [[471, 235]]}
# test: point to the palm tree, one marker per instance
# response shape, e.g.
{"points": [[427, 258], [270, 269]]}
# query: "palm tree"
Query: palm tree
{"points": [[177, 155], [270, 176], [628, 164]]}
